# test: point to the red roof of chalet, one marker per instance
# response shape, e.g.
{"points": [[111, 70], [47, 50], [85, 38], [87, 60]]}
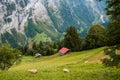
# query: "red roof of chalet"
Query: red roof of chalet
{"points": [[63, 50]]}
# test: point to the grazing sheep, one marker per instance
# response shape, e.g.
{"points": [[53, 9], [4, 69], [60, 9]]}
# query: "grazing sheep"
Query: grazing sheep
{"points": [[33, 71], [66, 70], [86, 61]]}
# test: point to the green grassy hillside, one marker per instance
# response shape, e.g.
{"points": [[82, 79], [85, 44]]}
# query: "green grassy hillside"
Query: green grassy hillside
{"points": [[83, 65]]}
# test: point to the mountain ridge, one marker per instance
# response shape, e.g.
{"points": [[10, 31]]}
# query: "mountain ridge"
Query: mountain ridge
{"points": [[31, 17]]}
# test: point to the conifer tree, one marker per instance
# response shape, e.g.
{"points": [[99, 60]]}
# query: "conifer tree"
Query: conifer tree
{"points": [[72, 39], [113, 9], [113, 29], [113, 33]]}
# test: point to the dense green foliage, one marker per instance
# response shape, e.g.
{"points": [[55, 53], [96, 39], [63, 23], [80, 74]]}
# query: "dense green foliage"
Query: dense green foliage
{"points": [[8, 56], [41, 37], [72, 39], [113, 30], [44, 49], [114, 53], [113, 33], [95, 37], [113, 9]]}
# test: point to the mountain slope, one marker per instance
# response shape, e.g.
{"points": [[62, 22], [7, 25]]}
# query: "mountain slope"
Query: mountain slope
{"points": [[32, 17]]}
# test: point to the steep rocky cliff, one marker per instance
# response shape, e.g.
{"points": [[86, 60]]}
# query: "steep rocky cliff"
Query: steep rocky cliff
{"points": [[23, 20]]}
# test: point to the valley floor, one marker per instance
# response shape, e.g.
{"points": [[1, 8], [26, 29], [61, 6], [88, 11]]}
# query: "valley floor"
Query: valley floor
{"points": [[84, 65]]}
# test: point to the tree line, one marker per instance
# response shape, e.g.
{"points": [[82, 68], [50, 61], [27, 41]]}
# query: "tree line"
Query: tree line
{"points": [[95, 38]]}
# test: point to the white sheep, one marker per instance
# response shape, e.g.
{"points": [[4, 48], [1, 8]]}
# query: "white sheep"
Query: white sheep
{"points": [[66, 70], [86, 62], [33, 71]]}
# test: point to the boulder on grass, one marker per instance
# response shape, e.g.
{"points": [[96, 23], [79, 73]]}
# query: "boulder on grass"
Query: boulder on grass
{"points": [[37, 55]]}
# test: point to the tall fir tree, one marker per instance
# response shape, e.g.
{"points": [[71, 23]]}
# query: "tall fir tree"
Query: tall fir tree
{"points": [[113, 33], [113, 30], [113, 9], [72, 39]]}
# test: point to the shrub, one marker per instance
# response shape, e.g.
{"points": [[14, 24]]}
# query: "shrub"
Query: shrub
{"points": [[8, 56], [114, 59]]}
